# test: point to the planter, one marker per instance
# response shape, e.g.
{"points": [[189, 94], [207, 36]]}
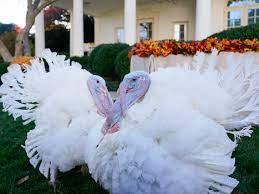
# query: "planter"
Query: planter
{"points": [[151, 63]]}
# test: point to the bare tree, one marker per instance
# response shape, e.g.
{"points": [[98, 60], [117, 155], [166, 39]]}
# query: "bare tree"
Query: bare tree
{"points": [[34, 7], [5, 52]]}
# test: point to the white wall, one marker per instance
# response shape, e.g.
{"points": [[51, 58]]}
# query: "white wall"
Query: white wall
{"points": [[164, 15], [219, 15], [106, 25]]}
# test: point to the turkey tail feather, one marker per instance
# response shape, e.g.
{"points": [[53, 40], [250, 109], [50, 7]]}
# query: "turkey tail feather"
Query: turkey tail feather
{"points": [[238, 76], [23, 91]]}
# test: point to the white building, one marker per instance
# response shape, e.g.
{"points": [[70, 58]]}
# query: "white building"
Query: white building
{"points": [[133, 20]]}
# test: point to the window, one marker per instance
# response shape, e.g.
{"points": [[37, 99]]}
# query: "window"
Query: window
{"points": [[232, 3], [145, 30], [253, 16], [120, 35], [234, 19], [180, 31]]}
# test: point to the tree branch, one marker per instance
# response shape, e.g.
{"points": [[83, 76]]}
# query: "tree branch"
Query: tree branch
{"points": [[36, 7], [29, 5], [43, 5], [35, 4], [4, 52]]}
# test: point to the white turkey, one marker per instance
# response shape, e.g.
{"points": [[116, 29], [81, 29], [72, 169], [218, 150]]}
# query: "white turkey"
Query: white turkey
{"points": [[175, 139], [64, 100]]}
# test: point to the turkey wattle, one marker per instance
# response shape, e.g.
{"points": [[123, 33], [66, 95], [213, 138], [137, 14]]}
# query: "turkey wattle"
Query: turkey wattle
{"points": [[64, 100]]}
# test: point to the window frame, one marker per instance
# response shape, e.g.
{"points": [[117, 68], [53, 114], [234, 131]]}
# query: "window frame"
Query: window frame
{"points": [[185, 23], [254, 17], [146, 20], [234, 19], [244, 13], [116, 34]]}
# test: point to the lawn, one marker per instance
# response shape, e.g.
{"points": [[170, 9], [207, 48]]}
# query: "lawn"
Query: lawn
{"points": [[15, 167]]}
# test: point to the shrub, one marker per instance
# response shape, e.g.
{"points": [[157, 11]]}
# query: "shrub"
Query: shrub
{"points": [[112, 85], [104, 61], [1, 59], [57, 38], [9, 39], [242, 33], [94, 52], [65, 53], [122, 63], [84, 61], [3, 69]]}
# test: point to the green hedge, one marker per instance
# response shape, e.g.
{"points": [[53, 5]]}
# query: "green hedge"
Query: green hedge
{"points": [[57, 38], [242, 33], [94, 53], [84, 61], [122, 63], [3, 69], [104, 59], [1, 59], [112, 85]]}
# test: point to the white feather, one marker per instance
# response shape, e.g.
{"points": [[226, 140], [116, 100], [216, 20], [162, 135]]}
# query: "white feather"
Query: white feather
{"points": [[175, 140], [61, 105]]}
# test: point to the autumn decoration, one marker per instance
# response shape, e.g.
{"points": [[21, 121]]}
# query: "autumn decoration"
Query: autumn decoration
{"points": [[171, 47]]}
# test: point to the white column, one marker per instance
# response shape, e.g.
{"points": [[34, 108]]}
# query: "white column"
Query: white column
{"points": [[96, 31], [203, 19], [130, 21], [71, 34], [78, 28], [39, 34]]}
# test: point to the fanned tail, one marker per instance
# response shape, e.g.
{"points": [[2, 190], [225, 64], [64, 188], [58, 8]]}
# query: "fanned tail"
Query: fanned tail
{"points": [[217, 168], [239, 77], [32, 146], [51, 151], [218, 171], [241, 81], [23, 91]]}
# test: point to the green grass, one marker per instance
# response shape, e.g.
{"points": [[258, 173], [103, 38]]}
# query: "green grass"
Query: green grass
{"points": [[14, 165]]}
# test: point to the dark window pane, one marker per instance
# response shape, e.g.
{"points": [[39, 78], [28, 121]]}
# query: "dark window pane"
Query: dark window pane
{"points": [[251, 12], [150, 34], [182, 36], [229, 15], [181, 28], [230, 23], [257, 20], [145, 30], [250, 21], [150, 30], [237, 22], [257, 12]]}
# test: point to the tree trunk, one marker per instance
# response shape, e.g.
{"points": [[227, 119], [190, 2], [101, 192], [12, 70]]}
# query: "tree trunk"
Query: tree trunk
{"points": [[27, 49], [19, 43], [4, 52], [20, 46]]}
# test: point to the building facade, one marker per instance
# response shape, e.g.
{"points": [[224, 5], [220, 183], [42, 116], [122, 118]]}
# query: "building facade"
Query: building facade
{"points": [[133, 20]]}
